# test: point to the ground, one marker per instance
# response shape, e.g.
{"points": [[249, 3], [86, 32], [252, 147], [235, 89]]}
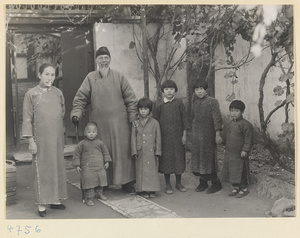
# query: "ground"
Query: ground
{"points": [[188, 205]]}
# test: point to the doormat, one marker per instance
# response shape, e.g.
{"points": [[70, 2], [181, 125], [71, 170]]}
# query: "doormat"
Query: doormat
{"points": [[132, 206]]}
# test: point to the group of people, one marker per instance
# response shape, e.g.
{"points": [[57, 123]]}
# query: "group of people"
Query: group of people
{"points": [[128, 142]]}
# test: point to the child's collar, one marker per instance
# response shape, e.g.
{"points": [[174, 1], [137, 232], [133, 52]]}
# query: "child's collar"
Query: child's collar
{"points": [[168, 100], [240, 118]]}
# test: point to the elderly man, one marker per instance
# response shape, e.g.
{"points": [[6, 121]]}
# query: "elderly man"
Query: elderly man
{"points": [[113, 107]]}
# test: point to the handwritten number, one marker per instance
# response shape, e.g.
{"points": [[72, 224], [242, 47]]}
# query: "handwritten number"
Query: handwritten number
{"points": [[27, 229], [10, 228], [37, 229], [18, 229]]}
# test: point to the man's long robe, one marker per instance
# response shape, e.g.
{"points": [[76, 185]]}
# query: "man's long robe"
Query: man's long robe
{"points": [[112, 106]]}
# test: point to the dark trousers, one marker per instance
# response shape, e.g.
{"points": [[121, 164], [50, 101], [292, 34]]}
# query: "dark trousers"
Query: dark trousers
{"points": [[207, 177], [244, 182]]}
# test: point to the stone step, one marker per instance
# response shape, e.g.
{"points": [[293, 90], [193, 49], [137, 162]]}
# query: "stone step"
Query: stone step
{"points": [[26, 157]]}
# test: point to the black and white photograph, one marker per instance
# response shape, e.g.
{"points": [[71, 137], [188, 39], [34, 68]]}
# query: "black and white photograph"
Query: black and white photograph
{"points": [[176, 116]]}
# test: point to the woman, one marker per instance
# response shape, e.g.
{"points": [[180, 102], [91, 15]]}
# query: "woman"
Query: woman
{"points": [[43, 112]]}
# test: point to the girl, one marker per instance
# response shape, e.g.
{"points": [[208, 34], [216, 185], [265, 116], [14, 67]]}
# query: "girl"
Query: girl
{"points": [[207, 124], [238, 138], [171, 115], [43, 112], [146, 148], [91, 158]]}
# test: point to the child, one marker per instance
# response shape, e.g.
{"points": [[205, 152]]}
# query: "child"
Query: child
{"points": [[43, 113], [207, 124], [146, 148], [239, 135], [91, 158], [171, 115]]}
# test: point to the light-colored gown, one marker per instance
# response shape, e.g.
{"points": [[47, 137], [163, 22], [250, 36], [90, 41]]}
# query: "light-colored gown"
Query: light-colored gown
{"points": [[112, 106], [43, 113]]}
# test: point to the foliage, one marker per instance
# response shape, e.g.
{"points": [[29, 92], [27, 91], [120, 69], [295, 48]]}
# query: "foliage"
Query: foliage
{"points": [[45, 47], [264, 27]]}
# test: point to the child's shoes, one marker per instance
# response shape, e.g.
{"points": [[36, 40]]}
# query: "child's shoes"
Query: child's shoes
{"points": [[216, 186], [169, 190], [144, 194], [101, 197], [152, 194], [242, 193], [180, 187], [202, 186], [233, 192], [90, 202]]}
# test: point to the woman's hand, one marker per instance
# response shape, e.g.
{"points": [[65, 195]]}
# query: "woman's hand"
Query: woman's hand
{"points": [[219, 140], [183, 139], [32, 146], [106, 165]]}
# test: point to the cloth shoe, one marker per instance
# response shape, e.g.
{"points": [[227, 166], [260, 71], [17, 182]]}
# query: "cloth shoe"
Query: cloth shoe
{"points": [[180, 187], [58, 206], [216, 186], [42, 213], [90, 202], [152, 194], [101, 197], [169, 190], [202, 186], [234, 192], [143, 194], [242, 193], [128, 188]]}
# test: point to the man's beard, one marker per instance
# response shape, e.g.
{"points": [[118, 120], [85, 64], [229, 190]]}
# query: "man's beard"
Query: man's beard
{"points": [[104, 71]]}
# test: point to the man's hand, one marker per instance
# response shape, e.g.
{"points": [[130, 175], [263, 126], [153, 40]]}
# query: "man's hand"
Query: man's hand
{"points": [[135, 156], [135, 123], [244, 154], [75, 120], [106, 165], [78, 168], [32, 146]]}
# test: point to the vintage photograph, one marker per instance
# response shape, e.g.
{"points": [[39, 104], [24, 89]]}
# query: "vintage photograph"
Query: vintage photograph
{"points": [[149, 111]]}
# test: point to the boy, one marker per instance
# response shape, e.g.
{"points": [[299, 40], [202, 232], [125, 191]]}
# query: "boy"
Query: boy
{"points": [[238, 139], [91, 158]]}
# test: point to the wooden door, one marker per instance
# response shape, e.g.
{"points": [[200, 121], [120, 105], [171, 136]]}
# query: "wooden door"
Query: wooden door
{"points": [[77, 62], [11, 137]]}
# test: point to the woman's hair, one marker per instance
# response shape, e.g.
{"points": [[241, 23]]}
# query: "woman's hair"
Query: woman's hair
{"points": [[237, 104], [145, 103], [168, 84], [45, 65], [202, 84], [91, 123]]}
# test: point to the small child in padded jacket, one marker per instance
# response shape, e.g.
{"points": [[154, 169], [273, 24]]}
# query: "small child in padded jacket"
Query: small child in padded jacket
{"points": [[91, 158], [238, 136]]}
